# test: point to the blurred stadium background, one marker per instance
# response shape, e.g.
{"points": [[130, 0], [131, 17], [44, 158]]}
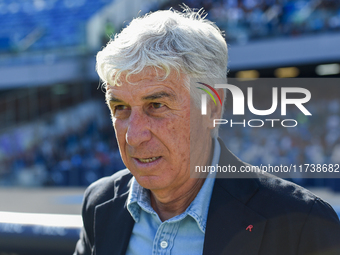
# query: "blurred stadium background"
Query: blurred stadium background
{"points": [[55, 131]]}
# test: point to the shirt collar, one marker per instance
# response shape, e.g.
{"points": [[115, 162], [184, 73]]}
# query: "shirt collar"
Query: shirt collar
{"points": [[139, 197]]}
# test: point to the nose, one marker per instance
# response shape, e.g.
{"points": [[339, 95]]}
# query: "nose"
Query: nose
{"points": [[138, 130]]}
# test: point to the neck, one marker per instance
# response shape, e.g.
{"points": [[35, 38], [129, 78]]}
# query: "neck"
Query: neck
{"points": [[169, 206], [169, 203]]}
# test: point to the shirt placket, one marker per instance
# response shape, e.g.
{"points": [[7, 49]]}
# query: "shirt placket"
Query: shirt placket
{"points": [[164, 238]]}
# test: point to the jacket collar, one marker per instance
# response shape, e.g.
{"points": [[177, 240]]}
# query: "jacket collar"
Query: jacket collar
{"points": [[241, 189], [229, 217], [113, 223]]}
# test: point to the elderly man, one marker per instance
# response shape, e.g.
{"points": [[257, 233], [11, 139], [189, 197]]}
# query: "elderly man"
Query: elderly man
{"points": [[155, 206]]}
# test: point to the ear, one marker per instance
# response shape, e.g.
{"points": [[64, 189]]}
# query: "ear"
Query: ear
{"points": [[215, 109]]}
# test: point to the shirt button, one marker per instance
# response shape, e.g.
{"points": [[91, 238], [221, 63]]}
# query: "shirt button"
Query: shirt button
{"points": [[164, 244]]}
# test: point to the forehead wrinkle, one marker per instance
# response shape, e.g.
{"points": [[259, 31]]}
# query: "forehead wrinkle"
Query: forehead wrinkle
{"points": [[162, 88]]}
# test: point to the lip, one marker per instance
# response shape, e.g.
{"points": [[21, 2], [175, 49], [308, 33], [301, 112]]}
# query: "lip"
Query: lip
{"points": [[147, 164], [148, 160]]}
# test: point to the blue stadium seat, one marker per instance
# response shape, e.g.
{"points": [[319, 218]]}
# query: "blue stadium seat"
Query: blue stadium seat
{"points": [[61, 21]]}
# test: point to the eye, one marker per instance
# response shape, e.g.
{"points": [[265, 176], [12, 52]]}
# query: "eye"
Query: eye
{"points": [[156, 109], [157, 105], [121, 111], [120, 107]]}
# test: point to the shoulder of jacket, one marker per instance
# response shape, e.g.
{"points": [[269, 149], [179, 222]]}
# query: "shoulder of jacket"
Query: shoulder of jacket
{"points": [[285, 195], [107, 188]]}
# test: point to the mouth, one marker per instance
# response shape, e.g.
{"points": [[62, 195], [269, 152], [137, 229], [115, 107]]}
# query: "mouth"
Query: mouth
{"points": [[147, 160]]}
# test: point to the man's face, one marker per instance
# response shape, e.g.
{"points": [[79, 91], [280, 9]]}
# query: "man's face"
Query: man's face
{"points": [[152, 123]]}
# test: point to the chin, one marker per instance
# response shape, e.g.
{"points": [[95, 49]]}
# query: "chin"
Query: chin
{"points": [[150, 182]]}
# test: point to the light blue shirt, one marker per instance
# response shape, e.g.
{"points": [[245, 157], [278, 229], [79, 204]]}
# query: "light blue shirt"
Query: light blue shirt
{"points": [[182, 234]]}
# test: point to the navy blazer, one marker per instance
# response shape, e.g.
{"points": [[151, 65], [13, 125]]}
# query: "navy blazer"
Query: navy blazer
{"points": [[255, 216]]}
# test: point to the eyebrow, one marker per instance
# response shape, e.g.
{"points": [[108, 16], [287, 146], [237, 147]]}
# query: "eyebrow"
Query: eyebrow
{"points": [[159, 95], [110, 98]]}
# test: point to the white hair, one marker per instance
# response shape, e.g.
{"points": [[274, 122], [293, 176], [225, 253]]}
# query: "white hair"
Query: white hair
{"points": [[184, 42]]}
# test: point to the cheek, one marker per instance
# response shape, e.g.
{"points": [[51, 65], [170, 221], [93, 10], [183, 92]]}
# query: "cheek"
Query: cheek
{"points": [[176, 128], [180, 136], [111, 114], [120, 131]]}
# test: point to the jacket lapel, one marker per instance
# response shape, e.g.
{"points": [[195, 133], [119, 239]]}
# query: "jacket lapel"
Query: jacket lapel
{"points": [[113, 226], [233, 227], [228, 220]]}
